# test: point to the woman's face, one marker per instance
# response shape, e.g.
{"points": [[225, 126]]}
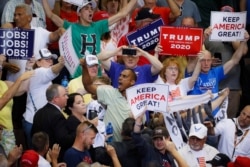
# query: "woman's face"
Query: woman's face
{"points": [[171, 72], [46, 63], [78, 106]]}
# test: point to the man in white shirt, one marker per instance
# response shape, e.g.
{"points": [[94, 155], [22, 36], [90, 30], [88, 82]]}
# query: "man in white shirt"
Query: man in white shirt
{"points": [[196, 152]]}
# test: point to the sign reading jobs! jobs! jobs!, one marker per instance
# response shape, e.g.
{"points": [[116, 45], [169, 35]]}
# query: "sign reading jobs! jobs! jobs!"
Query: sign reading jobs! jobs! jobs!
{"points": [[180, 40], [227, 26], [147, 37], [17, 43]]}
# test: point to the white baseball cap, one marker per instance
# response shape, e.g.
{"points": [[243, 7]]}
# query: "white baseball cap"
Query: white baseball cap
{"points": [[86, 2], [45, 54], [91, 60], [198, 130]]}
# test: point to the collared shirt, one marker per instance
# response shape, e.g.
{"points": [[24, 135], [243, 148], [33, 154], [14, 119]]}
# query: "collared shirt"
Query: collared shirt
{"points": [[226, 129], [38, 19], [208, 151]]}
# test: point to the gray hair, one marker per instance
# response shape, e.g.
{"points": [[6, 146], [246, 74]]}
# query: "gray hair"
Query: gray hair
{"points": [[52, 91], [26, 7]]}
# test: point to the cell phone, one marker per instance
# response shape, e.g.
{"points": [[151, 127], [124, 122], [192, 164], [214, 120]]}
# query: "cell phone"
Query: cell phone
{"points": [[217, 55], [128, 51]]}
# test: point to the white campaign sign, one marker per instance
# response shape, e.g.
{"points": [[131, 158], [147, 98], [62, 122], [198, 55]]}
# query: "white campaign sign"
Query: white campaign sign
{"points": [[228, 26], [68, 52], [173, 130], [150, 95]]}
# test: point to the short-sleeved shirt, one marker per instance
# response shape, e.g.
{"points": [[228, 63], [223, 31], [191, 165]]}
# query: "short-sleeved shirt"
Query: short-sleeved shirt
{"points": [[73, 157], [143, 73], [86, 38], [208, 81], [118, 108], [226, 129]]}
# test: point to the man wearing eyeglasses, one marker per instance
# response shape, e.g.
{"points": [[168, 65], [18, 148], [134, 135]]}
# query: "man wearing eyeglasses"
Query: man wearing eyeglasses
{"points": [[209, 77], [196, 152], [234, 134]]}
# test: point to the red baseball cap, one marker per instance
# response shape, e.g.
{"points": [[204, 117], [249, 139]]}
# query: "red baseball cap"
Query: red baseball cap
{"points": [[29, 159], [240, 162]]}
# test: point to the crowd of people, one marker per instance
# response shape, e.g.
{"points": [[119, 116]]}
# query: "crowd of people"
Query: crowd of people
{"points": [[45, 123]]}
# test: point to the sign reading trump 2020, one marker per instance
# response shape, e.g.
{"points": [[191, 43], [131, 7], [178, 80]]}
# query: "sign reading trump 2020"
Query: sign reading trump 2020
{"points": [[147, 37], [151, 96], [180, 40], [17, 43], [228, 26]]}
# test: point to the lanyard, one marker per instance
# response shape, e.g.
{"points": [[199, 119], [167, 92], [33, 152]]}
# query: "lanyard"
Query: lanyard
{"points": [[235, 138], [35, 109]]}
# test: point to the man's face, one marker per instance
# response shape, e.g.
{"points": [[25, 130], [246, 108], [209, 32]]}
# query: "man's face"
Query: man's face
{"points": [[143, 22], [88, 138], [188, 22], [61, 99], [244, 118], [195, 143], [21, 19], [130, 61], [206, 62], [159, 143], [125, 80], [86, 14]]}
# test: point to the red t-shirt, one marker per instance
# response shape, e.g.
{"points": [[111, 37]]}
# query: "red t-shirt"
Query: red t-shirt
{"points": [[164, 12]]}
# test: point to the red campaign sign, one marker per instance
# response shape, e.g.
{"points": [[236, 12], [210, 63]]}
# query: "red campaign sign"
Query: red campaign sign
{"points": [[180, 40]]}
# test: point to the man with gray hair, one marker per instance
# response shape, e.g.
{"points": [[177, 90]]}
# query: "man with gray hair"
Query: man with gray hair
{"points": [[38, 15], [49, 118], [196, 152]]}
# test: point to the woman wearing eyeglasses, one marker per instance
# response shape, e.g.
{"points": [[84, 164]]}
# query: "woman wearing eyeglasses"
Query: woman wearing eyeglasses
{"points": [[172, 75]]}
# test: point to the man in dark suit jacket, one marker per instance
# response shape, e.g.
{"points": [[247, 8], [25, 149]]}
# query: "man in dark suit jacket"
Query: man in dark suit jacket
{"points": [[49, 118]]}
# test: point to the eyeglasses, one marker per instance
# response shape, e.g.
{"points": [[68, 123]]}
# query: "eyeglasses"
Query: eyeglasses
{"points": [[173, 68], [84, 130], [206, 60]]}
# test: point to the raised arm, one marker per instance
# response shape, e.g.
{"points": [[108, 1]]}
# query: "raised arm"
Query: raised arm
{"points": [[54, 36], [175, 10], [105, 56], [112, 153], [56, 19], [235, 58], [123, 12], [243, 4], [170, 147], [59, 66], [218, 101], [156, 64], [13, 88], [196, 72], [86, 79]]}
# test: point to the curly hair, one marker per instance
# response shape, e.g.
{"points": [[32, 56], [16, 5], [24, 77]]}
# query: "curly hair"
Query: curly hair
{"points": [[166, 64]]}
